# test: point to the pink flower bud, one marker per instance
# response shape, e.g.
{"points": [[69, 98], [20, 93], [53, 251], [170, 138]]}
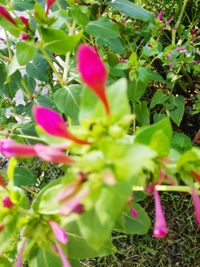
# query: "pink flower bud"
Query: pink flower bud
{"points": [[53, 124], [7, 203], [24, 36], [160, 226], [59, 232], [25, 21], [10, 148], [4, 13], [51, 154], [93, 72], [196, 202], [48, 5], [134, 212], [160, 16]]}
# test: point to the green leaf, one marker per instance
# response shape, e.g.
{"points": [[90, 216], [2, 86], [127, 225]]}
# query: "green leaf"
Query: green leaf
{"points": [[134, 11], [13, 66], [103, 28], [91, 107], [24, 177], [81, 14], [38, 69], [142, 113], [78, 248], [114, 44], [158, 98], [68, 100], [58, 42], [130, 225], [23, 5], [181, 142], [136, 89], [145, 134], [6, 236], [4, 262], [44, 202], [25, 52], [12, 85], [8, 26], [176, 107], [45, 259]]}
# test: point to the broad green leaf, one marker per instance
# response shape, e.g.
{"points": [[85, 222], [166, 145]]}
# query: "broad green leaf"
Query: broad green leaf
{"points": [[130, 225], [23, 5], [158, 98], [4, 262], [181, 142], [12, 85], [91, 107], [136, 89], [8, 233], [44, 202], [145, 134], [58, 42], [67, 101], [142, 113], [81, 14], [38, 69], [13, 66], [149, 75], [43, 258], [78, 247], [132, 10], [176, 108], [114, 44], [24, 177], [103, 28], [25, 52]]}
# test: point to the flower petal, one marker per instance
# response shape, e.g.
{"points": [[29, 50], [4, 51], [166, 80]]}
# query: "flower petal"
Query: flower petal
{"points": [[4, 13], [93, 72], [64, 259], [19, 257], [59, 232], [160, 226], [10, 148], [48, 5], [53, 124], [196, 202]]}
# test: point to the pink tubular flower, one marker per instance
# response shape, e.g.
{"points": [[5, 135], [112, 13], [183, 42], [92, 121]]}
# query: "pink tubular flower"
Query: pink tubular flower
{"points": [[196, 202], [59, 232], [93, 72], [10, 148], [20, 255], [51, 154], [4, 13], [134, 212], [48, 5], [53, 124], [160, 16], [64, 260], [160, 226], [7, 203]]}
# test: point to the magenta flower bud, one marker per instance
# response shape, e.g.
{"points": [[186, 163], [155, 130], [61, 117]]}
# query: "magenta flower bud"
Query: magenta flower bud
{"points": [[160, 16], [48, 5], [4, 13], [160, 226], [10, 148], [53, 124], [51, 154], [25, 21], [24, 36], [93, 72], [196, 202], [7, 203], [59, 232], [79, 209]]}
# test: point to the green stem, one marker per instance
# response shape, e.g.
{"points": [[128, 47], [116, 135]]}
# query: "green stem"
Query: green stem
{"points": [[28, 91], [20, 135], [8, 46], [175, 29], [28, 190], [4, 58], [167, 188], [66, 68], [51, 64]]}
